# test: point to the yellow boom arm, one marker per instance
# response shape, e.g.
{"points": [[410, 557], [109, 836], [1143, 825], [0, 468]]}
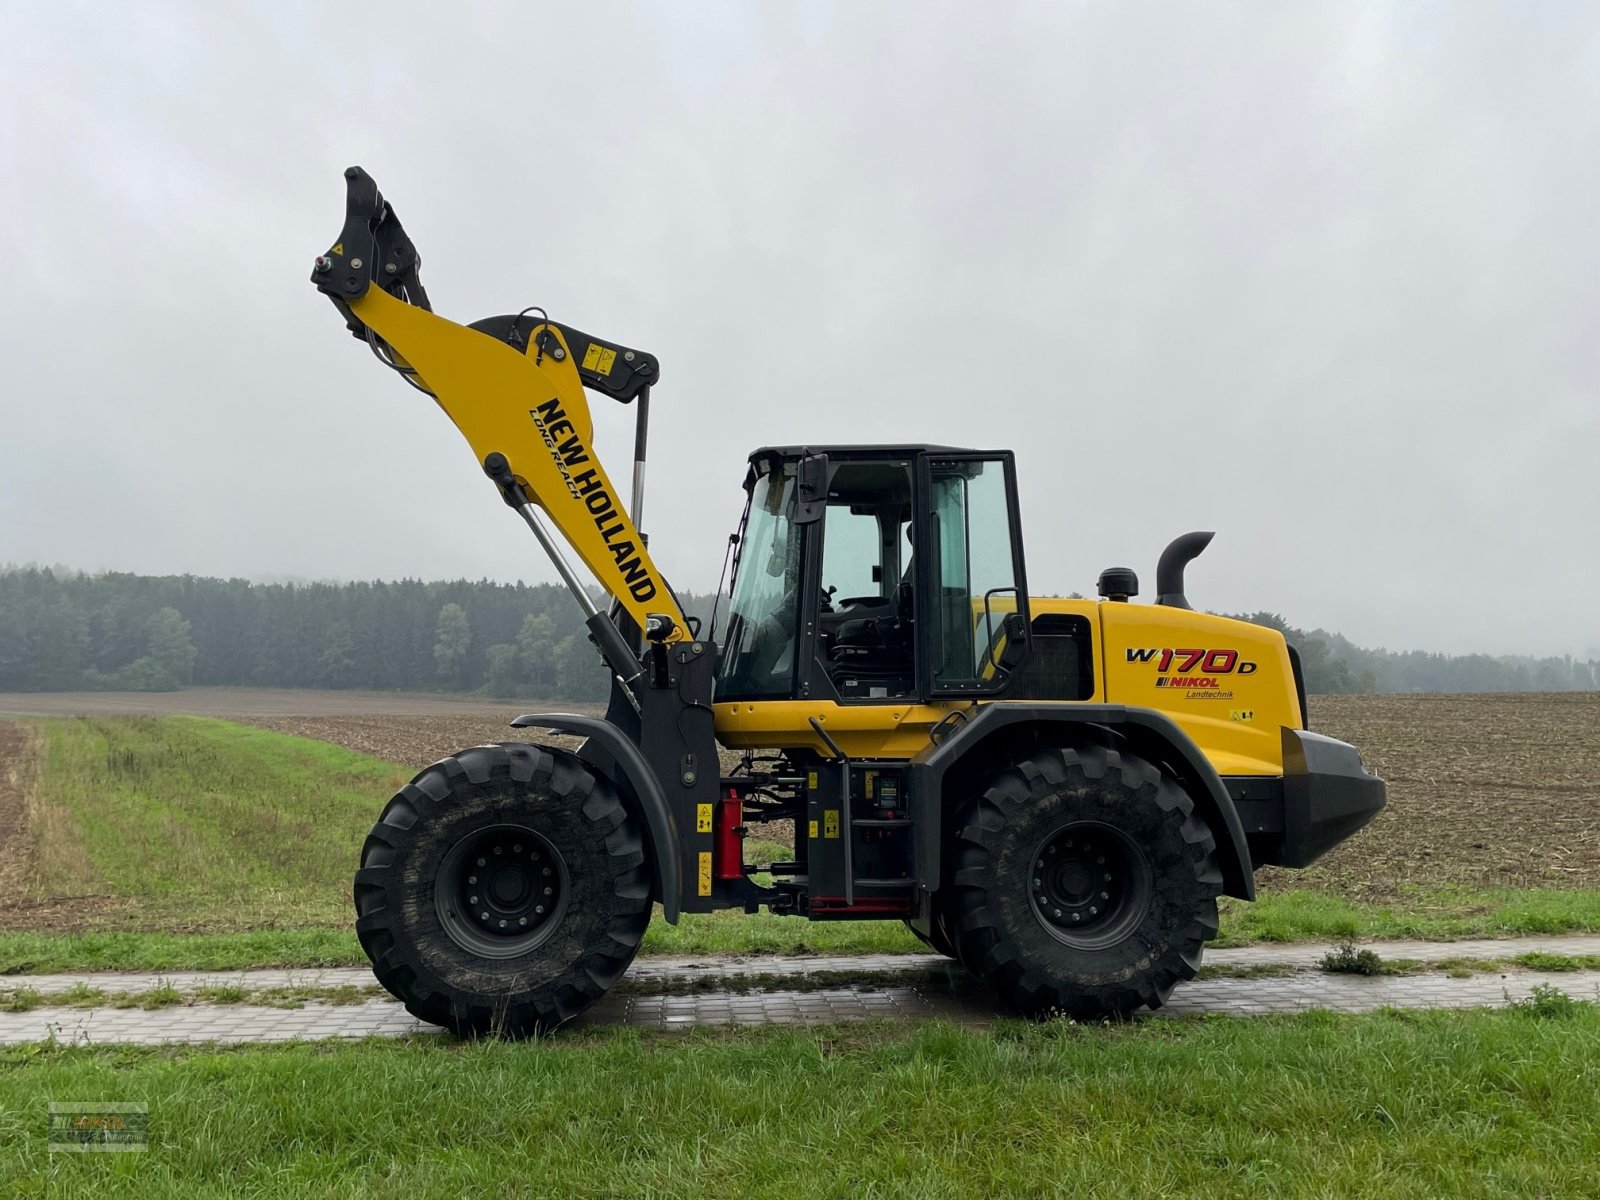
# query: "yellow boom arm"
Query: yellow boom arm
{"points": [[519, 400]]}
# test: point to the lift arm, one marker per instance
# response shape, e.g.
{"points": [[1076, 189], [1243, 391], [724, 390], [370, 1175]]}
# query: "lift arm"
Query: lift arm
{"points": [[514, 386]]}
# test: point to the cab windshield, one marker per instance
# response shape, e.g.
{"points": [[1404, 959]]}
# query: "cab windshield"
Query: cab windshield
{"points": [[763, 625]]}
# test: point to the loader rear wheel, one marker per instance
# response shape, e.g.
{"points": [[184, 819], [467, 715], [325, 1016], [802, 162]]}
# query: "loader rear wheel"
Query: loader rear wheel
{"points": [[503, 890], [1085, 886]]}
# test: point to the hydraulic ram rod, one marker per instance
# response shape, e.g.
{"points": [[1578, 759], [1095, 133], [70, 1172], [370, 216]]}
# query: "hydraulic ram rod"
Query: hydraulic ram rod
{"points": [[641, 434]]}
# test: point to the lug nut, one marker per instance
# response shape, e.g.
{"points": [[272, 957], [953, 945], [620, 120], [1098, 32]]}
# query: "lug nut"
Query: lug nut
{"points": [[1076, 917], [472, 879], [547, 891], [540, 909], [522, 920], [546, 871], [483, 862], [499, 849], [472, 899], [502, 924], [485, 916], [517, 849]]}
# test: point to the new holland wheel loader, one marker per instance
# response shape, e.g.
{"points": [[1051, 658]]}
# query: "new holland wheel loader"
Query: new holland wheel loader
{"points": [[1054, 792]]}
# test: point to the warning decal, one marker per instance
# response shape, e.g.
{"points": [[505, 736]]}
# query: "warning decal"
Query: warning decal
{"points": [[599, 358]]}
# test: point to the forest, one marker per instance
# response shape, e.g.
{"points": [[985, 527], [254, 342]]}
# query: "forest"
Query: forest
{"points": [[62, 630]]}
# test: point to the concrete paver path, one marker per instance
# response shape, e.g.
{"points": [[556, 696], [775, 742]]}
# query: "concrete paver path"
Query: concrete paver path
{"points": [[940, 990]]}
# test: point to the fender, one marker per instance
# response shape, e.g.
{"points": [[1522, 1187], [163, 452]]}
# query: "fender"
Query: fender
{"points": [[1152, 733], [608, 749]]}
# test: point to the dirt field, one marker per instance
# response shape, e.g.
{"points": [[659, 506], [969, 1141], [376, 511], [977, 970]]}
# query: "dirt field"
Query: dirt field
{"points": [[1484, 791]]}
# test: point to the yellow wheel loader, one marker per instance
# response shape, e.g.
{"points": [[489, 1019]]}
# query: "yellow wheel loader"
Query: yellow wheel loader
{"points": [[1054, 792]]}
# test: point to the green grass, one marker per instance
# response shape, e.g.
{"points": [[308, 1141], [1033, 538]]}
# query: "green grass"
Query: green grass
{"points": [[1307, 916], [204, 824], [1394, 1105], [131, 950], [198, 844]]}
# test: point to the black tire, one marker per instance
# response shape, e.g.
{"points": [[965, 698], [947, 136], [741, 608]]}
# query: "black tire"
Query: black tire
{"points": [[1121, 850], [566, 847]]}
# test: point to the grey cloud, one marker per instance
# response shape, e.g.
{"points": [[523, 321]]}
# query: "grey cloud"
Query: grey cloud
{"points": [[1320, 278]]}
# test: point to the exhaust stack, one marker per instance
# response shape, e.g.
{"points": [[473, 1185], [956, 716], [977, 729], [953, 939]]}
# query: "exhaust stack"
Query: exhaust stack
{"points": [[1180, 552]]}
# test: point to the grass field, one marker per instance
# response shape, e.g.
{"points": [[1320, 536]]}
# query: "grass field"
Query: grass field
{"points": [[184, 842], [1394, 1105]]}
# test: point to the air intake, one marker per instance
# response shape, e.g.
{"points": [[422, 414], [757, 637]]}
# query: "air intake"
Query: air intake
{"points": [[1169, 571]]}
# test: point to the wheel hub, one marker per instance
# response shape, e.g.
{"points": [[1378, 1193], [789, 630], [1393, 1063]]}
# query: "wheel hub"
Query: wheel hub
{"points": [[1090, 885], [500, 891]]}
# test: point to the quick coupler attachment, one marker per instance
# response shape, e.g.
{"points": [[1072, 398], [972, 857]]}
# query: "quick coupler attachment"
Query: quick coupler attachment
{"points": [[371, 248]]}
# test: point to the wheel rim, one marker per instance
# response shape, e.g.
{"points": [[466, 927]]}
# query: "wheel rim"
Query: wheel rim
{"points": [[501, 891], [1090, 885]]}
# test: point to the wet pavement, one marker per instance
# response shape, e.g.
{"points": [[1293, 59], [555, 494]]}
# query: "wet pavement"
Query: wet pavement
{"points": [[761, 990]]}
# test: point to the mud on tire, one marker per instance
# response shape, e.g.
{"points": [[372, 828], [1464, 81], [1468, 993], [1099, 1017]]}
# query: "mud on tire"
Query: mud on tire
{"points": [[1084, 884], [553, 838]]}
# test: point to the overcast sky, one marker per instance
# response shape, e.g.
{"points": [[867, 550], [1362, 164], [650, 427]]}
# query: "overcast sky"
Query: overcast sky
{"points": [[1321, 278]]}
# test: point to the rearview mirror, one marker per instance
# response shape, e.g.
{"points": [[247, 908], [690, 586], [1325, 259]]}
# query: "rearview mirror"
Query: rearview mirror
{"points": [[1015, 650], [811, 489]]}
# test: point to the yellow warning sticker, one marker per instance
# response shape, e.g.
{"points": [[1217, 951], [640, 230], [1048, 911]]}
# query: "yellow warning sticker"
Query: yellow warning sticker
{"points": [[872, 779], [811, 780], [705, 872], [338, 248], [702, 818], [813, 832], [1242, 714], [830, 822], [599, 358]]}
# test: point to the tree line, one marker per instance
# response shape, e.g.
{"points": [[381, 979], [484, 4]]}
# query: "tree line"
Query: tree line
{"points": [[62, 630], [1334, 664]]}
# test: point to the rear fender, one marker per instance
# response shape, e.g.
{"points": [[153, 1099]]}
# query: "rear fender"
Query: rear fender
{"points": [[999, 726]]}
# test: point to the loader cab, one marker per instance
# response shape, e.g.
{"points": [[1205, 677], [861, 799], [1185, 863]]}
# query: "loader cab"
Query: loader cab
{"points": [[876, 575]]}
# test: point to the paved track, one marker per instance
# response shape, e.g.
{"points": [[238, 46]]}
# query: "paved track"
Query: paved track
{"points": [[916, 987]]}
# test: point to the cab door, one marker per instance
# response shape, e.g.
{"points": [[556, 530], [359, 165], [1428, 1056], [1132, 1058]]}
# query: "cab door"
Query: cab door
{"points": [[972, 611]]}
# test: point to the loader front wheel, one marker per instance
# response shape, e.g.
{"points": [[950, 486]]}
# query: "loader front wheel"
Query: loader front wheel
{"points": [[1085, 886], [503, 890]]}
